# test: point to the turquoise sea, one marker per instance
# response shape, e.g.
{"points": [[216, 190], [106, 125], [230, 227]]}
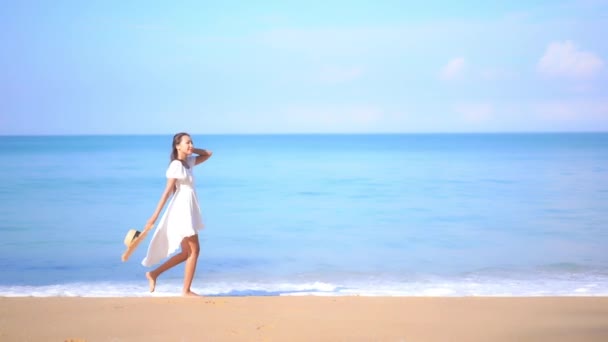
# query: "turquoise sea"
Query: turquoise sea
{"points": [[399, 215]]}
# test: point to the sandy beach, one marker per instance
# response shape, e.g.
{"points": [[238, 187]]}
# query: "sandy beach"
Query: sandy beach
{"points": [[306, 318]]}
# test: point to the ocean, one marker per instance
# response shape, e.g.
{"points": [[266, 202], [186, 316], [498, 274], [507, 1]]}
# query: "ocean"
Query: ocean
{"points": [[371, 215]]}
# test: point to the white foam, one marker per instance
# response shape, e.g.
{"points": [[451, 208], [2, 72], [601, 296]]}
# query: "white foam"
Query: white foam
{"points": [[456, 288]]}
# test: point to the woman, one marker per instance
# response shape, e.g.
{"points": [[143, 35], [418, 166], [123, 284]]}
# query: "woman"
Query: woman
{"points": [[179, 225]]}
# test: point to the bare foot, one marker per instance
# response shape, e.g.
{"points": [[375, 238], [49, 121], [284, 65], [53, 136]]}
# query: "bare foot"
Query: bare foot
{"points": [[190, 294], [151, 281]]}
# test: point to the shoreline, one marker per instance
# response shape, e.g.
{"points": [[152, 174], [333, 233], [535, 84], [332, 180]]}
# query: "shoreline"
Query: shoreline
{"points": [[583, 286], [304, 318]]}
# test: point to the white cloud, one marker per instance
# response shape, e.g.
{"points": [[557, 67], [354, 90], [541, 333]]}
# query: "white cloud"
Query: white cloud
{"points": [[453, 69], [565, 59]]}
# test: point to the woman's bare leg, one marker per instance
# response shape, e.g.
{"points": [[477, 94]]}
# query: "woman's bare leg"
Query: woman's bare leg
{"points": [[194, 250], [173, 261]]}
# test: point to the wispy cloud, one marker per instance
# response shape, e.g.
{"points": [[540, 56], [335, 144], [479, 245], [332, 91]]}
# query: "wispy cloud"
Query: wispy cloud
{"points": [[453, 70], [566, 59]]}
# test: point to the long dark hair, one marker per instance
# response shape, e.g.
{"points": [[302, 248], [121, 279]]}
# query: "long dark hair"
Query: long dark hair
{"points": [[176, 140]]}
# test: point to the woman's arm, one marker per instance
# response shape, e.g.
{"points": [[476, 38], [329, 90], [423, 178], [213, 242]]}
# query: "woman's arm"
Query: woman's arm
{"points": [[169, 190], [202, 155]]}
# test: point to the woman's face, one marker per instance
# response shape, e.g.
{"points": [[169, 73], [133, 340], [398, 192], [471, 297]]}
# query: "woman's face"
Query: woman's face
{"points": [[185, 145]]}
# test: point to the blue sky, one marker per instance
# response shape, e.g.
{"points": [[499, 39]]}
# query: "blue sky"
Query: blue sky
{"points": [[144, 67]]}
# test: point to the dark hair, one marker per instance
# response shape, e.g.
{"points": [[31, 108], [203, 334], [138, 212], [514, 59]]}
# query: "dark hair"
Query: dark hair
{"points": [[176, 140]]}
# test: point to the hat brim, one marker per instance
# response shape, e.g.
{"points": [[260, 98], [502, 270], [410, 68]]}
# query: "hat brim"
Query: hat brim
{"points": [[132, 234], [133, 243]]}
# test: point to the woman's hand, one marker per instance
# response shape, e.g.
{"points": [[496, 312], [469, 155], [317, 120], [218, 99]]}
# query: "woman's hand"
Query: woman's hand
{"points": [[202, 155]]}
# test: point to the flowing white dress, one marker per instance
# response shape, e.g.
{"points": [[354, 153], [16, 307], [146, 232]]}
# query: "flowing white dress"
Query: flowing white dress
{"points": [[182, 217]]}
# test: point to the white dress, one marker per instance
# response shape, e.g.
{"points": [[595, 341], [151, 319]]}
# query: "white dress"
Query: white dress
{"points": [[182, 217]]}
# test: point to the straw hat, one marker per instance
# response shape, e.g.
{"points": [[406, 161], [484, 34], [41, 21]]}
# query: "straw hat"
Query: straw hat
{"points": [[132, 234]]}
